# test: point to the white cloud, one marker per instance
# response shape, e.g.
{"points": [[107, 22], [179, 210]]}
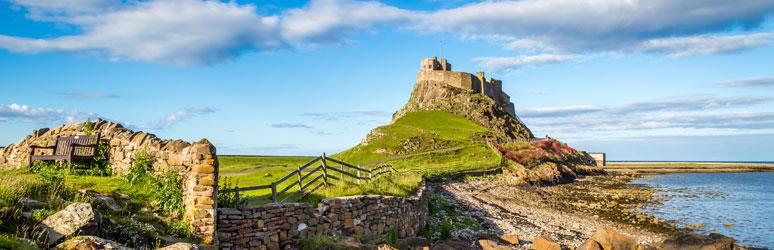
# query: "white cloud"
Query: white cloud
{"points": [[26, 113], [602, 25], [706, 44], [515, 63], [750, 82], [660, 117], [331, 21], [177, 32], [196, 32], [173, 118]]}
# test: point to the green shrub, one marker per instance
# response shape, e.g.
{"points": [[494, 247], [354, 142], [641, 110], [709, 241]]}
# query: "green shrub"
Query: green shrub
{"points": [[142, 166], [321, 242], [169, 197], [230, 199], [181, 228]]}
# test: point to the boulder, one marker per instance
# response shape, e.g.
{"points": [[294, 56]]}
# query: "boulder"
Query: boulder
{"points": [[510, 238], [89, 243], [180, 246], [690, 241], [540, 243], [590, 245], [452, 245], [413, 243], [610, 239], [75, 219], [491, 245]]}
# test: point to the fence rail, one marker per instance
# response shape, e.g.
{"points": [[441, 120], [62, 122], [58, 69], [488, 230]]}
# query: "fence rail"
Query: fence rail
{"points": [[304, 180]]}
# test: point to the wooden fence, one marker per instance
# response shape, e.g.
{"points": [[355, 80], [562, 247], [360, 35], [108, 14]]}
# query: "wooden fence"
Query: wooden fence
{"points": [[311, 176]]}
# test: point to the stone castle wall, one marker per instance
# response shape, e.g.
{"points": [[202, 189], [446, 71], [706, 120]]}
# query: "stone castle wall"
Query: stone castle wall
{"points": [[277, 226], [197, 163], [439, 70]]}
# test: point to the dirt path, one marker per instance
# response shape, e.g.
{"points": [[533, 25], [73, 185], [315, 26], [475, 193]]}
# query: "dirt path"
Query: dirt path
{"points": [[522, 211]]}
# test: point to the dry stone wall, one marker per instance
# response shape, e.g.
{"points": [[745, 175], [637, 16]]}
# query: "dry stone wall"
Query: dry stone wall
{"points": [[196, 163], [277, 226]]}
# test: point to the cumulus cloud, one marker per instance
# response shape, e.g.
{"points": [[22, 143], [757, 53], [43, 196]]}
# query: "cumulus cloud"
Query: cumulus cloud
{"points": [[750, 82], [331, 21], [290, 125], [174, 118], [515, 63], [707, 44], [86, 95], [195, 32], [660, 117], [26, 113], [177, 32], [580, 26]]}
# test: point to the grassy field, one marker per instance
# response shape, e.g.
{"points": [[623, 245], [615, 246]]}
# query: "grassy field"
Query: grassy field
{"points": [[420, 144]]}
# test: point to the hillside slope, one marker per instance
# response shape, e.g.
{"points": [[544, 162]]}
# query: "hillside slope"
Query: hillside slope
{"points": [[432, 140], [432, 95]]}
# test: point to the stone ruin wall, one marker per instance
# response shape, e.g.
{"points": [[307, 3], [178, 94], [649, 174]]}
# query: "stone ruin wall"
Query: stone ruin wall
{"points": [[196, 163], [431, 70], [278, 226]]}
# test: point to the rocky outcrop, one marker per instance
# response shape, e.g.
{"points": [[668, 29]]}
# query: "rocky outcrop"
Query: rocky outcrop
{"points": [[75, 219], [180, 246], [689, 241], [90, 243], [432, 95], [540, 243], [610, 239]]}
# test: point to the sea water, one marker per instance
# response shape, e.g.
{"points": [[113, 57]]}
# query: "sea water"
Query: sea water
{"points": [[739, 205]]}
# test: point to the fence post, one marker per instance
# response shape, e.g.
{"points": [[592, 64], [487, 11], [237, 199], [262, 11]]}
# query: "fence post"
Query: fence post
{"points": [[300, 185], [236, 199], [325, 170], [342, 172], [358, 175], [274, 192]]}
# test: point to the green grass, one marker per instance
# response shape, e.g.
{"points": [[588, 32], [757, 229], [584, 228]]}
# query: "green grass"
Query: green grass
{"points": [[420, 144], [10, 243], [432, 129], [231, 164]]}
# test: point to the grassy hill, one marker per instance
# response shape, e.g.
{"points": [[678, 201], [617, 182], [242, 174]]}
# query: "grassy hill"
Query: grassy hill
{"points": [[427, 141], [418, 144]]}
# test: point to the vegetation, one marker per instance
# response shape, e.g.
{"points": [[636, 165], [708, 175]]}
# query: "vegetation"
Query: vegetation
{"points": [[424, 143], [322, 242], [532, 154], [445, 219], [11, 243], [266, 164], [50, 182]]}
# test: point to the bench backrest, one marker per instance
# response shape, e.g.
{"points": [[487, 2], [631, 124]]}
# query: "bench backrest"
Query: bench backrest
{"points": [[63, 145]]}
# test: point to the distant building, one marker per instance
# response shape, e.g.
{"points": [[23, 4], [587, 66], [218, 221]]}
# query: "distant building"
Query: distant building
{"points": [[439, 70], [599, 158]]}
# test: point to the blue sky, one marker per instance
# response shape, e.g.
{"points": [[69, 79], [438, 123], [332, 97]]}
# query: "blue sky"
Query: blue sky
{"points": [[640, 80]]}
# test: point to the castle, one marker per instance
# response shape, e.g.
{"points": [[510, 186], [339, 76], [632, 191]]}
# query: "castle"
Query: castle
{"points": [[439, 70]]}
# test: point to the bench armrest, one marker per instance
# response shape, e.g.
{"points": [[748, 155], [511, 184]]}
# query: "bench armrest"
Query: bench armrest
{"points": [[83, 145]]}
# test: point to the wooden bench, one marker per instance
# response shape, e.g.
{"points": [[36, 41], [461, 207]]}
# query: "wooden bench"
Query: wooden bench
{"points": [[68, 149]]}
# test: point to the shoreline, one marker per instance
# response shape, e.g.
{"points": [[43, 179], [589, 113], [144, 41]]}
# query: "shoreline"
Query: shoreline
{"points": [[567, 214], [686, 167]]}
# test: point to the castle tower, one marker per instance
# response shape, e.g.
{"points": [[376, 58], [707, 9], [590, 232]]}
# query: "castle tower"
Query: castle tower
{"points": [[435, 64]]}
